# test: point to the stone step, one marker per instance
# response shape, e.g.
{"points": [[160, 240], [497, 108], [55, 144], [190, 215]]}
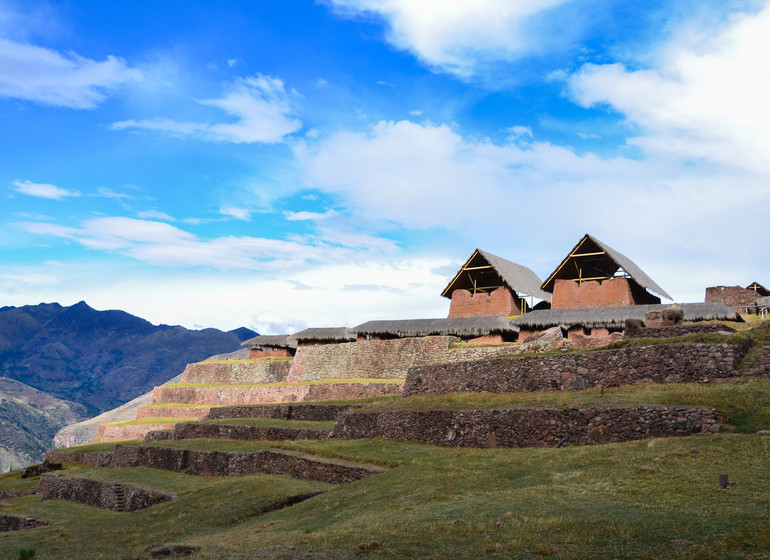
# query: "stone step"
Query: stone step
{"points": [[198, 430], [230, 395], [224, 463]]}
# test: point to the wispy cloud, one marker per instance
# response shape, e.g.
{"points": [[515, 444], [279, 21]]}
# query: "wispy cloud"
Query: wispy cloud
{"points": [[43, 190], [260, 105], [457, 35], [237, 212], [48, 77]]}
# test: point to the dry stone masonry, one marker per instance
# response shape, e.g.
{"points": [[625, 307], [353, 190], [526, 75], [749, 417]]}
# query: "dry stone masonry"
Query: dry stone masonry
{"points": [[106, 495], [529, 427], [607, 368]]}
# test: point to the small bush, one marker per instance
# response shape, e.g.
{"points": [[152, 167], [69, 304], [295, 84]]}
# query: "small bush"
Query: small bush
{"points": [[26, 553]]}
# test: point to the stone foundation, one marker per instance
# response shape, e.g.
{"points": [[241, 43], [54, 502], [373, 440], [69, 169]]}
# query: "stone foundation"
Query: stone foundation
{"points": [[261, 394], [234, 372], [13, 523], [309, 412], [382, 359], [676, 330], [529, 427], [105, 495], [586, 342], [604, 368], [221, 463], [195, 430]]}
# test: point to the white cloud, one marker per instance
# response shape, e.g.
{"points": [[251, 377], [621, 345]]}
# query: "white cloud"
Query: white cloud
{"points": [[309, 216], [165, 245], [268, 322], [236, 212], [705, 97], [457, 35], [43, 190], [49, 77], [260, 105]]}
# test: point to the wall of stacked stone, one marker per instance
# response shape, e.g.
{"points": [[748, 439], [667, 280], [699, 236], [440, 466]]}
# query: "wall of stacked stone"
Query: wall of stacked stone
{"points": [[14, 523], [580, 341], [98, 493], [733, 296], [677, 330], [246, 395], [106, 432], [529, 427], [221, 463], [665, 363], [310, 412], [382, 359], [194, 430], [764, 364], [172, 411], [232, 372]]}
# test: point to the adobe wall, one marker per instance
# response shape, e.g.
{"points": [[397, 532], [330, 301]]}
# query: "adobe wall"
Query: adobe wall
{"points": [[99, 494], [606, 368], [310, 412], [676, 330], [221, 463], [764, 364], [256, 394], [257, 353], [232, 372], [598, 293], [529, 427], [14, 523], [498, 302], [733, 296], [381, 359]]}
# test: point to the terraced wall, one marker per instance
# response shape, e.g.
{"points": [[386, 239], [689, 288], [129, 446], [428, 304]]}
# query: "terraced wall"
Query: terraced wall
{"points": [[99, 493], [232, 372], [604, 368], [529, 427]]}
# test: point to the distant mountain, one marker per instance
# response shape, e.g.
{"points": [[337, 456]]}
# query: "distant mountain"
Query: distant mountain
{"points": [[100, 359], [29, 419]]}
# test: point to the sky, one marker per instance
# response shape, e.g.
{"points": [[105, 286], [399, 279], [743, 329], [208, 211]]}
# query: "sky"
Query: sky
{"points": [[279, 165]]}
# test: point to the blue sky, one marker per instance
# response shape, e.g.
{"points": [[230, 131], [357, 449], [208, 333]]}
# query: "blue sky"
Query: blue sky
{"points": [[287, 164]]}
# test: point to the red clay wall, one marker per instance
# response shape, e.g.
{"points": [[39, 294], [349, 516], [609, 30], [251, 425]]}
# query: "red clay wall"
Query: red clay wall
{"points": [[569, 294], [256, 353], [733, 296], [499, 302], [381, 359]]}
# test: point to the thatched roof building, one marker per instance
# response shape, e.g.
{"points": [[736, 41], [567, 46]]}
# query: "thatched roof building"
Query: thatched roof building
{"points": [[615, 317], [592, 259], [485, 272], [324, 334], [463, 327], [270, 342]]}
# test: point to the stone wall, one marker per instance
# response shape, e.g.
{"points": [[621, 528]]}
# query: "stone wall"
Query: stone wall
{"points": [[310, 412], [606, 368], [529, 427], [221, 463], [195, 430], [233, 372], [172, 411], [676, 330], [764, 364], [13, 523], [498, 302], [97, 493], [733, 296], [257, 394], [105, 432], [580, 341], [382, 359]]}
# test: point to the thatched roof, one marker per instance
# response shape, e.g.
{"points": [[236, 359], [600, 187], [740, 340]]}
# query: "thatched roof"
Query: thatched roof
{"points": [[616, 316], [759, 288], [453, 326], [484, 272], [270, 341], [593, 259], [336, 334], [762, 302]]}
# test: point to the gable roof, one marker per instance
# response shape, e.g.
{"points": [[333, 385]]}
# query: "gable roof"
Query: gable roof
{"points": [[496, 272], [270, 341], [616, 316], [337, 334], [759, 288], [600, 262], [453, 326]]}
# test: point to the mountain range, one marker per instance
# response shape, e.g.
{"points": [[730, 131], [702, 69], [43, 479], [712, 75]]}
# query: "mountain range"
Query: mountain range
{"points": [[59, 365]]}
